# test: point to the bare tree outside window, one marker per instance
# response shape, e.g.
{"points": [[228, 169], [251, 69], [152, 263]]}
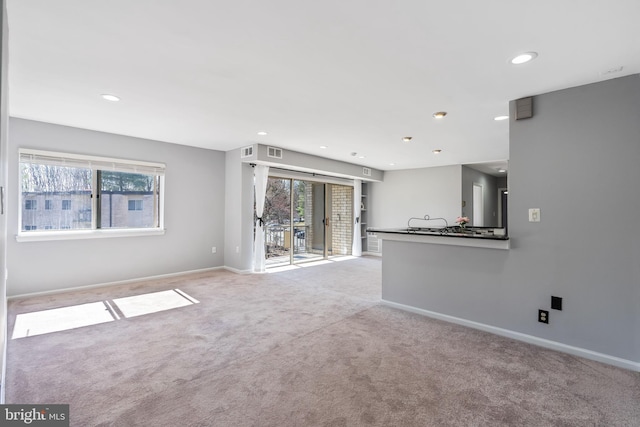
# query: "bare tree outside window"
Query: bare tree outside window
{"points": [[54, 186]]}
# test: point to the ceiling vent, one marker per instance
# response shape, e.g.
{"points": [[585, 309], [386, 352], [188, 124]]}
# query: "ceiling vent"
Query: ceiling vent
{"points": [[275, 153], [246, 152], [366, 171], [524, 108]]}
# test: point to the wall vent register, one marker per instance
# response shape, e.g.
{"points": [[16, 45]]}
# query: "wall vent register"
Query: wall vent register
{"points": [[275, 153], [524, 108], [247, 152]]}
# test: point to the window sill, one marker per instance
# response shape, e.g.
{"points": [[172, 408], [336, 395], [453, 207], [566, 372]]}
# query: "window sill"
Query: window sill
{"points": [[41, 236]]}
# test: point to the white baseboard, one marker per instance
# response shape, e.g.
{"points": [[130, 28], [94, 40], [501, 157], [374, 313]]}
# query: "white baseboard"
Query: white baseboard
{"points": [[237, 271], [378, 254], [119, 282], [554, 345]]}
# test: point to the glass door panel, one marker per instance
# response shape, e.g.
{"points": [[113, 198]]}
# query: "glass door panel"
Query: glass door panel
{"points": [[308, 220], [277, 221]]}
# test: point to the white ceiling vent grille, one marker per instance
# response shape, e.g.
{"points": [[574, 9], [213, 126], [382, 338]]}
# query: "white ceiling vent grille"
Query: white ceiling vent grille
{"points": [[366, 171], [274, 152], [246, 152]]}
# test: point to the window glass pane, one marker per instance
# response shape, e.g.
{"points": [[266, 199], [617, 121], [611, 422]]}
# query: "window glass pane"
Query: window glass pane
{"points": [[128, 200], [277, 221], [135, 205], [44, 190]]}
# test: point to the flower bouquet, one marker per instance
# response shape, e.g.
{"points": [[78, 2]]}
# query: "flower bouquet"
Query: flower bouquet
{"points": [[462, 221]]}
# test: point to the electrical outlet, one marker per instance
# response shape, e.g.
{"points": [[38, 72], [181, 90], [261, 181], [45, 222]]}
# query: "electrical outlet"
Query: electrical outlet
{"points": [[543, 316], [214, 250]]}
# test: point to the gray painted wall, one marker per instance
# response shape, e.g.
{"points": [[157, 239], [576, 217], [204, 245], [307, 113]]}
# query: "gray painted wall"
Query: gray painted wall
{"points": [[310, 163], [238, 249], [4, 121], [415, 193], [194, 215], [576, 160]]}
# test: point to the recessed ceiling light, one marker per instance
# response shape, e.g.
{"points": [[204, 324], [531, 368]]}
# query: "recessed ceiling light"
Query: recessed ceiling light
{"points": [[324, 147], [437, 151], [362, 157], [407, 138], [524, 57], [392, 164], [499, 118], [502, 170], [109, 97], [262, 133], [439, 114]]}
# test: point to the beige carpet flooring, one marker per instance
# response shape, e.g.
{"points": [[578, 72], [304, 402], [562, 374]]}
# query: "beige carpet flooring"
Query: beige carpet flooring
{"points": [[310, 346]]}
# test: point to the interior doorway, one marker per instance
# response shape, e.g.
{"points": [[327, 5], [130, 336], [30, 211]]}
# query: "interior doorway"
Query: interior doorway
{"points": [[306, 220], [478, 205]]}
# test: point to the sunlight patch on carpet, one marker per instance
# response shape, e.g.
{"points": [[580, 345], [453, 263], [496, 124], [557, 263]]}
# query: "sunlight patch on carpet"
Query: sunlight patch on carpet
{"points": [[153, 302], [94, 313], [314, 263], [277, 268], [281, 268], [339, 258], [61, 319]]}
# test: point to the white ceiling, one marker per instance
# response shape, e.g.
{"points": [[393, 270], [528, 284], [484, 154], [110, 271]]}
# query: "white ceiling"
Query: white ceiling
{"points": [[353, 75]]}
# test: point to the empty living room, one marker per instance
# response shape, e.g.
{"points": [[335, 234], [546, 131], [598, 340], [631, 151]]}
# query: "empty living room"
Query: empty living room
{"points": [[319, 214]]}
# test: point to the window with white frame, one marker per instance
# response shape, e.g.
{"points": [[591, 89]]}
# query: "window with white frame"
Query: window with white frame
{"points": [[88, 193]]}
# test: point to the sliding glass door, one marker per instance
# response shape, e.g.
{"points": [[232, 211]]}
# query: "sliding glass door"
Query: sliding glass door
{"points": [[304, 220], [309, 221]]}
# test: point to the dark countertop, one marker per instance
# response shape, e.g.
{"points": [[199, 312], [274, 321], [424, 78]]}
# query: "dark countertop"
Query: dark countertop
{"points": [[471, 232]]}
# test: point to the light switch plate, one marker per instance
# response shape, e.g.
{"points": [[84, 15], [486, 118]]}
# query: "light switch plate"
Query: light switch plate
{"points": [[534, 215]]}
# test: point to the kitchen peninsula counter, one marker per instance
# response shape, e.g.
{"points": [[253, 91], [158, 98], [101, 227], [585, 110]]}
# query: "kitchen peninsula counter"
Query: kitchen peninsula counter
{"points": [[470, 238]]}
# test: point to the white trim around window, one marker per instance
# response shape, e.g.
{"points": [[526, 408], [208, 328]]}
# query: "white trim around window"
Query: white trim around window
{"points": [[92, 223], [43, 236]]}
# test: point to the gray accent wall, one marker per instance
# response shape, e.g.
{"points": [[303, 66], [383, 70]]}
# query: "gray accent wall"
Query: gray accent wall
{"points": [[577, 160], [194, 215]]}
